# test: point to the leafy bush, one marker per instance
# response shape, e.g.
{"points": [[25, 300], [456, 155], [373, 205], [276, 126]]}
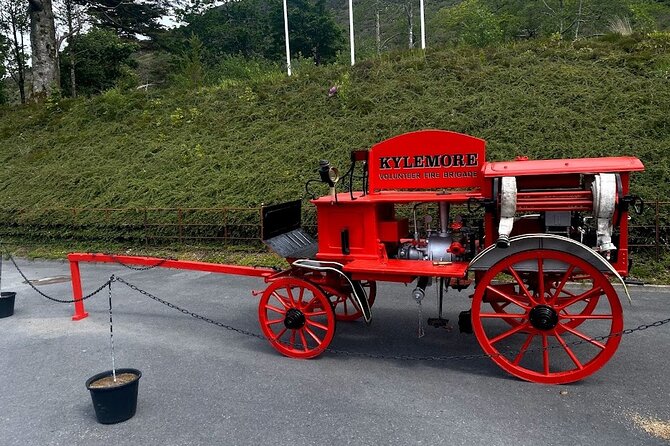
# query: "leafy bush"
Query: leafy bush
{"points": [[102, 61], [470, 22]]}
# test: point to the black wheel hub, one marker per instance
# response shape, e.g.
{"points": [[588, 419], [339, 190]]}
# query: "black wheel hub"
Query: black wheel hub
{"points": [[294, 319], [543, 317]]}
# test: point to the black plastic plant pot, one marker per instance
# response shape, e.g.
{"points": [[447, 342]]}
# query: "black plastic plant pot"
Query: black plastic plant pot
{"points": [[114, 402], [7, 303]]}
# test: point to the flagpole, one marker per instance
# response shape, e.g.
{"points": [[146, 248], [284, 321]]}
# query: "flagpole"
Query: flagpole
{"points": [[288, 49], [351, 32], [423, 28]]}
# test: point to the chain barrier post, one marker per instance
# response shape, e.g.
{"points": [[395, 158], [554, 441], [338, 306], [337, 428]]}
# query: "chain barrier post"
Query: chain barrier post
{"points": [[79, 311], [111, 329]]}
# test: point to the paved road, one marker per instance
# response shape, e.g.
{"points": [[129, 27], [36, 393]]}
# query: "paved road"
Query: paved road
{"points": [[203, 385]]}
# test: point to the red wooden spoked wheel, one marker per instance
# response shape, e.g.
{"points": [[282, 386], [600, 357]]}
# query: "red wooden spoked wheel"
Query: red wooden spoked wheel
{"points": [[340, 297], [562, 351], [296, 317]]}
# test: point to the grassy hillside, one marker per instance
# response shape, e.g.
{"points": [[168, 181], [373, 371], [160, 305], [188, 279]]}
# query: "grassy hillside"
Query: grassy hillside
{"points": [[257, 141]]}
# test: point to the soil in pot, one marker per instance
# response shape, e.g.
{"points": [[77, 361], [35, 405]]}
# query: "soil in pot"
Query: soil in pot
{"points": [[108, 381], [7, 303], [114, 401]]}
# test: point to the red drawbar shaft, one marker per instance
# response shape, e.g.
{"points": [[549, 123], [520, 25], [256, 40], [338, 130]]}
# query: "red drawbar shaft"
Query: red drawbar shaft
{"points": [[75, 258]]}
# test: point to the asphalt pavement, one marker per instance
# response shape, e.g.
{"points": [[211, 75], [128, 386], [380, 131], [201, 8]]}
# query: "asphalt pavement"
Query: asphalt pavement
{"points": [[204, 385]]}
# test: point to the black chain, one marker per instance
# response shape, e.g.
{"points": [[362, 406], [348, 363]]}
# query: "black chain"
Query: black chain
{"points": [[139, 268], [185, 311], [62, 301]]}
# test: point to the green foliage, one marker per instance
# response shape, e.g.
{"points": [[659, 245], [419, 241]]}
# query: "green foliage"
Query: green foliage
{"points": [[103, 60], [470, 22], [648, 16], [127, 18], [232, 70], [313, 31], [193, 74]]}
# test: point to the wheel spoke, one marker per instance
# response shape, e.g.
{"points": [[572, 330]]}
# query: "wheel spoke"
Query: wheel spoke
{"points": [[568, 350], [524, 347], [276, 337], [274, 321], [586, 295], [586, 316], [545, 354], [315, 313], [292, 339], [508, 297], [275, 309], [522, 285], [316, 324], [300, 296], [582, 336], [303, 340], [312, 302], [503, 315], [281, 300], [313, 336], [508, 333], [540, 280], [563, 282], [290, 296]]}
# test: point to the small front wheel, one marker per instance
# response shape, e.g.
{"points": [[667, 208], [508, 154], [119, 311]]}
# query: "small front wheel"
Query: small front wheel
{"points": [[296, 317]]}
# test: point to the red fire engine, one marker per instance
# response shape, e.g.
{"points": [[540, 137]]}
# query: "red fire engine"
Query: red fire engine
{"points": [[541, 239]]}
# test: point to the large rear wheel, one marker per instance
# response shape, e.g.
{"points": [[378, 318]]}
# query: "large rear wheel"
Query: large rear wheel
{"points": [[555, 303]]}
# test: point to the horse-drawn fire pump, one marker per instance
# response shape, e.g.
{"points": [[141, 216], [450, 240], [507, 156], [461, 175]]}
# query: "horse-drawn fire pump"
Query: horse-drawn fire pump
{"points": [[541, 239]]}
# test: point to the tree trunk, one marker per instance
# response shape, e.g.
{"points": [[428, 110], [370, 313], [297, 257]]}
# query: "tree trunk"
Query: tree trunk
{"points": [[69, 15], [579, 20], [379, 33], [19, 56], [45, 73], [410, 24]]}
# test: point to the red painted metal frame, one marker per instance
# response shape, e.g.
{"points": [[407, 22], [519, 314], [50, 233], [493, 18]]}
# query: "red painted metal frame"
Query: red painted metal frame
{"points": [[563, 166], [75, 258]]}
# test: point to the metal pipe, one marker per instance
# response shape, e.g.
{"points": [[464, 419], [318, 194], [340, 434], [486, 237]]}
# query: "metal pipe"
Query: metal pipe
{"points": [[444, 218]]}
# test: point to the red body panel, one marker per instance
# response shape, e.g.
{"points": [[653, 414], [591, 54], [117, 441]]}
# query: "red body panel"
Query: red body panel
{"points": [[430, 159]]}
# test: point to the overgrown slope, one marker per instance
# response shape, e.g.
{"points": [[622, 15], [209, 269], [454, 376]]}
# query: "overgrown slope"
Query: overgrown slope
{"points": [[244, 143]]}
